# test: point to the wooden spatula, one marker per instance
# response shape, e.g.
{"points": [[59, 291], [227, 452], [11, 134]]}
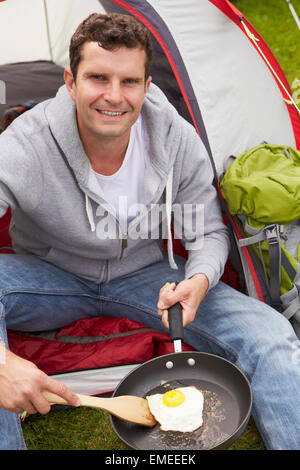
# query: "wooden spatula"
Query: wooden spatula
{"points": [[127, 407]]}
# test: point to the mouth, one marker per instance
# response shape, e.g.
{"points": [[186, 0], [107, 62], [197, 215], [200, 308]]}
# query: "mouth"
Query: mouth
{"points": [[111, 114]]}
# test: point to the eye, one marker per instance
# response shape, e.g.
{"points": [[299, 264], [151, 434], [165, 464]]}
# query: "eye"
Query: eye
{"points": [[131, 81], [99, 77]]}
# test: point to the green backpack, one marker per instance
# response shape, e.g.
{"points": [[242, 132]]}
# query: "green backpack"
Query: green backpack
{"points": [[262, 188]]}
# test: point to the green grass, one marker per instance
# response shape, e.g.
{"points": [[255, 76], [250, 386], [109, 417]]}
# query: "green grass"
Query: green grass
{"points": [[71, 429], [83, 428], [275, 23], [89, 429]]}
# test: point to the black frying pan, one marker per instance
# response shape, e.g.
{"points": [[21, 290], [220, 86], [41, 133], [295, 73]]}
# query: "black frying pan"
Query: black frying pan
{"points": [[227, 397]]}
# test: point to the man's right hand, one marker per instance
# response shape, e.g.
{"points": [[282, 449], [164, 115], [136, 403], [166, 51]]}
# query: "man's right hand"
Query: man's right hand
{"points": [[22, 385]]}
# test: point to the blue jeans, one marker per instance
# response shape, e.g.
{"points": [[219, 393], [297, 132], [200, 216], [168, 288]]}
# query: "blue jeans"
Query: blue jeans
{"points": [[38, 296]]}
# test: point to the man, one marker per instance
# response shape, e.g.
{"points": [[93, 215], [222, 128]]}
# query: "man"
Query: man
{"points": [[84, 174]]}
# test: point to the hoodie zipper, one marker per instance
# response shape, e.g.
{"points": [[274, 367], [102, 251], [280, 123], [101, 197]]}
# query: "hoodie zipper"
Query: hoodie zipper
{"points": [[123, 244]]}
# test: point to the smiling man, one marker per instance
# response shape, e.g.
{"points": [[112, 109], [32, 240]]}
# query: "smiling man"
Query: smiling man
{"points": [[108, 88], [94, 163]]}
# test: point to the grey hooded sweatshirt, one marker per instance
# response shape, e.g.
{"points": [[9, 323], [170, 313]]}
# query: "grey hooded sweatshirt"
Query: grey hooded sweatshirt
{"points": [[44, 178]]}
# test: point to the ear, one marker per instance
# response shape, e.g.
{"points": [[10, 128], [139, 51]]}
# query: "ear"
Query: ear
{"points": [[147, 84], [70, 82]]}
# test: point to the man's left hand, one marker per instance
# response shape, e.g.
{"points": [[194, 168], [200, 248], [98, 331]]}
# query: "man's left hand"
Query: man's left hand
{"points": [[189, 293]]}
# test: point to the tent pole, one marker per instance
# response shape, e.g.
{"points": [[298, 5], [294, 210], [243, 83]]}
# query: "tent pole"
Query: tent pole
{"points": [[296, 18], [48, 30]]}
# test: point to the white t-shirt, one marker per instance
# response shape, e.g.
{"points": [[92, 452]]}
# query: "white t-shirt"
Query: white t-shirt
{"points": [[125, 188]]}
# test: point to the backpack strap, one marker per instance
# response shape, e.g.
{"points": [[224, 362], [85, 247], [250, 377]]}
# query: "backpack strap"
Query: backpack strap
{"points": [[291, 271], [277, 257], [271, 234], [273, 240], [293, 307], [259, 237]]}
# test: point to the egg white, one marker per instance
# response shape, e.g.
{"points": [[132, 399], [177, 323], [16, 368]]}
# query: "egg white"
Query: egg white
{"points": [[185, 417]]}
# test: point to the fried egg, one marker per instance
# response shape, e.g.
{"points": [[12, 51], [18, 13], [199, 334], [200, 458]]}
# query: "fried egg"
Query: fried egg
{"points": [[180, 409]]}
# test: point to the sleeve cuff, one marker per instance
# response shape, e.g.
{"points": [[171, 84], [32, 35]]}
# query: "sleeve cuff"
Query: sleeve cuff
{"points": [[209, 272]]}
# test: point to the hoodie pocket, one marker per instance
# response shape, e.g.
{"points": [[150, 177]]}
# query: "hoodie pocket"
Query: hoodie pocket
{"points": [[139, 255], [88, 268]]}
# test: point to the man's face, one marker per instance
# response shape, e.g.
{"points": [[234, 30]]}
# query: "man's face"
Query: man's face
{"points": [[109, 90]]}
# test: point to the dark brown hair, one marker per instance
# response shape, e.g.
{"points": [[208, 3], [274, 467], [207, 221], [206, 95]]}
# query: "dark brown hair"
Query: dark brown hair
{"points": [[111, 31]]}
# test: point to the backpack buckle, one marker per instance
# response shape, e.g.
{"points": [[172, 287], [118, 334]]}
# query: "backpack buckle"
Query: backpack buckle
{"points": [[272, 234], [283, 233]]}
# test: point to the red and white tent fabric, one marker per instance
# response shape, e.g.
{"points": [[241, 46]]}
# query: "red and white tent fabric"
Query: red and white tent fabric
{"points": [[209, 60]]}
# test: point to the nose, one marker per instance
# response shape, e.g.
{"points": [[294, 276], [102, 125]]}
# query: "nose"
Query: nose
{"points": [[113, 93]]}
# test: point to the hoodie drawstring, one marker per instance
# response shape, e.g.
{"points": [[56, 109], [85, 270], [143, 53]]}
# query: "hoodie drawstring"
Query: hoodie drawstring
{"points": [[169, 220], [89, 211]]}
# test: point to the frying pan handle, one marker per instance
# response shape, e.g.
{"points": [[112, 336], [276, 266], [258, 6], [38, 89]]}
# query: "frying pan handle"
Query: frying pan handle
{"points": [[175, 322]]}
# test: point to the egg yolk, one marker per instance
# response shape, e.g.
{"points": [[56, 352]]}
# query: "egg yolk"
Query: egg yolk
{"points": [[173, 398]]}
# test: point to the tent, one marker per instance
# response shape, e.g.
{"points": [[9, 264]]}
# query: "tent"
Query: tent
{"points": [[211, 63]]}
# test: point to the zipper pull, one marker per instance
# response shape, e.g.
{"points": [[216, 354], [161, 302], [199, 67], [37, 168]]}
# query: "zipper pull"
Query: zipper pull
{"points": [[124, 241]]}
